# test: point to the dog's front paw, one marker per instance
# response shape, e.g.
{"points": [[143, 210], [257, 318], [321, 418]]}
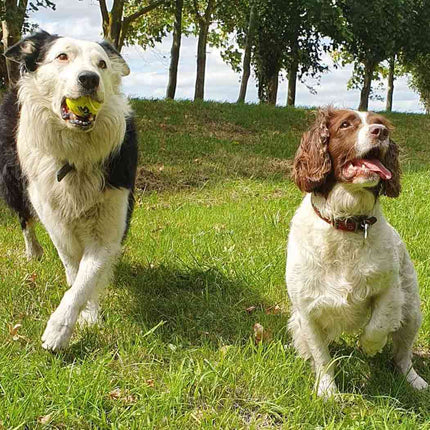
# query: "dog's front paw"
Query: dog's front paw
{"points": [[56, 335], [415, 380], [372, 343], [418, 383], [90, 315], [326, 387]]}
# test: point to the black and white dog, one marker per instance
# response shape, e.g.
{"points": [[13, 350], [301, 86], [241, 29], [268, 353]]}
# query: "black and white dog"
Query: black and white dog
{"points": [[75, 173]]}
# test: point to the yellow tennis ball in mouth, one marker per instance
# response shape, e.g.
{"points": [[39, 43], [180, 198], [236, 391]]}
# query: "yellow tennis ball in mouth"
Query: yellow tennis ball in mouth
{"points": [[83, 106]]}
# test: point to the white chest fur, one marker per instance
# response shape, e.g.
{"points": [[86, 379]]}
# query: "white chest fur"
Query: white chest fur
{"points": [[45, 145], [333, 274]]}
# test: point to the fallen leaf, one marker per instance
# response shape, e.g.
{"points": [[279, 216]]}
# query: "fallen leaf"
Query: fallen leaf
{"points": [[251, 309], [46, 419], [13, 331], [30, 279], [150, 383], [273, 310], [122, 395]]}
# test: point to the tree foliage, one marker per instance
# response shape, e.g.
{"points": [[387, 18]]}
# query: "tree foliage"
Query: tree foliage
{"points": [[287, 38], [420, 79], [370, 32], [121, 19]]}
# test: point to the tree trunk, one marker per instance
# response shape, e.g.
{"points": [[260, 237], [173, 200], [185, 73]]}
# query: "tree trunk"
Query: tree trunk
{"points": [[247, 55], [115, 27], [174, 52], [11, 33], [201, 62], [389, 105], [272, 89], [367, 86], [4, 79], [115, 23], [292, 81]]}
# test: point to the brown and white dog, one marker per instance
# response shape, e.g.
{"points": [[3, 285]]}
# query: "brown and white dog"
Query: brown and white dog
{"points": [[347, 268]]}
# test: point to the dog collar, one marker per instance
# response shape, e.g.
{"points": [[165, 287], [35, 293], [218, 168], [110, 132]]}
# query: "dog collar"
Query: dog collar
{"points": [[353, 224], [64, 171]]}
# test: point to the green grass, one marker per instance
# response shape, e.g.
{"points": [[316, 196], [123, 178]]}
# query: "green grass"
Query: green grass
{"points": [[207, 242]]}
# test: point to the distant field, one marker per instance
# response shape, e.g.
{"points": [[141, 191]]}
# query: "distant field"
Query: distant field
{"points": [[204, 262]]}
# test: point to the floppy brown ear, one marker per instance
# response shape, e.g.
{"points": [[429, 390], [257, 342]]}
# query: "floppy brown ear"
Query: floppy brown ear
{"points": [[312, 163], [392, 187]]}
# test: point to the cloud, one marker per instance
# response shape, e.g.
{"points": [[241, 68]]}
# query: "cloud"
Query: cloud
{"points": [[149, 76]]}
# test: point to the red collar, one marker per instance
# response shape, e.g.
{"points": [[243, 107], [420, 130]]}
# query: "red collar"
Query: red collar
{"points": [[353, 224]]}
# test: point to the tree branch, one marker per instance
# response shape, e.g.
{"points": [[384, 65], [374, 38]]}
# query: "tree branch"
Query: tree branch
{"points": [[196, 11], [208, 11], [104, 11], [143, 11]]}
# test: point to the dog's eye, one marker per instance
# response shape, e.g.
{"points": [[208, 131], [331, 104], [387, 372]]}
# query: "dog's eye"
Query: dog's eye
{"points": [[63, 57], [102, 64], [345, 124]]}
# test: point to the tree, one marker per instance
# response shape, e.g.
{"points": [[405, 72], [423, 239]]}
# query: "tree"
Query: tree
{"points": [[287, 39], [14, 14], [420, 79], [415, 54], [118, 21], [303, 56], [246, 67], [270, 43], [175, 50], [203, 12], [372, 31]]}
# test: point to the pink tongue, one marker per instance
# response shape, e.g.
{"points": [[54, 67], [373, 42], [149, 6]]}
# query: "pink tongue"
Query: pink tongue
{"points": [[377, 167]]}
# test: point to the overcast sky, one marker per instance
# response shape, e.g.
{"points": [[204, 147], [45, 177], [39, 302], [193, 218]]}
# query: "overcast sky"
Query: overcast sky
{"points": [[149, 69]]}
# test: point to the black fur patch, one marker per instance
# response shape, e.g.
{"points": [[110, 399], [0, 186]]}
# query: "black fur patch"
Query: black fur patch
{"points": [[31, 50], [121, 167], [115, 55], [13, 186]]}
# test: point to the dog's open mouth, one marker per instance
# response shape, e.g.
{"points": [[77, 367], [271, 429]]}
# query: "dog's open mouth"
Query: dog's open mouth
{"points": [[84, 119], [367, 167]]}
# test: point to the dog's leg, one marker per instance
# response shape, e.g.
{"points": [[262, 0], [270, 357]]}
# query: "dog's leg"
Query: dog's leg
{"points": [[386, 317], [69, 249], [70, 257], [404, 337], [94, 272], [102, 248], [299, 338], [33, 249], [403, 340], [90, 313], [318, 348]]}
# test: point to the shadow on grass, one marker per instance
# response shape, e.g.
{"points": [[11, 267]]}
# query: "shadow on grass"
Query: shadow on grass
{"points": [[197, 305], [378, 377]]}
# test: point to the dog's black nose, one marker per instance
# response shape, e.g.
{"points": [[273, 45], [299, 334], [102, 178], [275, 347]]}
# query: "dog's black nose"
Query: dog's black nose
{"points": [[89, 80], [379, 131]]}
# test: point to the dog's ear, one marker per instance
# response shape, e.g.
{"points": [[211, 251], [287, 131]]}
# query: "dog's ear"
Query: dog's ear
{"points": [[118, 63], [392, 187], [30, 50], [312, 163]]}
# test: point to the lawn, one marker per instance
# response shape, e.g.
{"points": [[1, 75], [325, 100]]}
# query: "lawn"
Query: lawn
{"points": [[204, 261]]}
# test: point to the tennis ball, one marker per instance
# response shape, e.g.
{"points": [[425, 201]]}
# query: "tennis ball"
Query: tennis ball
{"points": [[83, 106]]}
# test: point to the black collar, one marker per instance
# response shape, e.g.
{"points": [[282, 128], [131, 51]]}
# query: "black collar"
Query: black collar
{"points": [[352, 224], [67, 168]]}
